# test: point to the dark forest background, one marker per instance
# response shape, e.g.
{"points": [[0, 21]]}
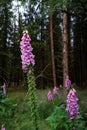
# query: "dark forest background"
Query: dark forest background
{"points": [[18, 15]]}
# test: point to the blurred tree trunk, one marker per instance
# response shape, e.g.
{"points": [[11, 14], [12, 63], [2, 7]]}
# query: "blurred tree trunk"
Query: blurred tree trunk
{"points": [[65, 47], [52, 51], [4, 41], [42, 50]]}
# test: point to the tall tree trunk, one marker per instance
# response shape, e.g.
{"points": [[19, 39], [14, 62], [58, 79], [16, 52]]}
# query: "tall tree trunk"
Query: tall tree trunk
{"points": [[52, 51], [4, 48], [65, 47]]}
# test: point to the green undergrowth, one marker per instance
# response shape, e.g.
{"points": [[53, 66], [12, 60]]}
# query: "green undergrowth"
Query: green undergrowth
{"points": [[22, 116]]}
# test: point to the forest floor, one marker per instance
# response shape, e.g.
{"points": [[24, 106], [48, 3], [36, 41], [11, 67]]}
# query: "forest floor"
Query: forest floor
{"points": [[22, 119]]}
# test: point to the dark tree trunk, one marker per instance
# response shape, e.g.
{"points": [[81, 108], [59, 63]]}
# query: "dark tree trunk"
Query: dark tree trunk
{"points": [[4, 40], [52, 51]]}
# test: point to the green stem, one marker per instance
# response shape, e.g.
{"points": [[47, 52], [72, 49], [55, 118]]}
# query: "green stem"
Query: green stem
{"points": [[32, 99], [72, 124]]}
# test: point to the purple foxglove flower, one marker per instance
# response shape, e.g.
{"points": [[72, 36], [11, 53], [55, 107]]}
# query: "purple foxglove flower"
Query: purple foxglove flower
{"points": [[72, 105], [26, 52], [3, 128], [4, 89], [49, 95], [55, 90], [67, 82]]}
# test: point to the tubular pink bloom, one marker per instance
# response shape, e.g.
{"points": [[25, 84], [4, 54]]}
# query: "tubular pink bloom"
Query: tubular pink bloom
{"points": [[49, 95], [26, 52], [55, 90], [67, 82], [4, 89], [72, 105], [3, 128]]}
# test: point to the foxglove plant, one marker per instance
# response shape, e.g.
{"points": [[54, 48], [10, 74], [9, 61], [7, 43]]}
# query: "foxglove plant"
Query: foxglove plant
{"points": [[59, 120], [4, 89], [26, 52], [28, 62], [50, 96], [72, 105], [67, 82], [55, 90], [3, 128]]}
